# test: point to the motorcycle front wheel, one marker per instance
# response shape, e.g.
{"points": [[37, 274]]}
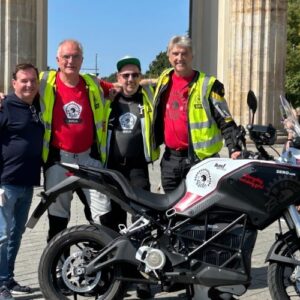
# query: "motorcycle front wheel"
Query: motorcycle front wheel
{"points": [[62, 267], [283, 278]]}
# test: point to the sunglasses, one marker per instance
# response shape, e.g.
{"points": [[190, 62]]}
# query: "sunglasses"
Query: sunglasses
{"points": [[35, 117], [133, 75]]}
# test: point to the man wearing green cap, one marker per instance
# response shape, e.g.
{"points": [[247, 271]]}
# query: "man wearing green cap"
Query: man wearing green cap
{"points": [[128, 139], [128, 142]]}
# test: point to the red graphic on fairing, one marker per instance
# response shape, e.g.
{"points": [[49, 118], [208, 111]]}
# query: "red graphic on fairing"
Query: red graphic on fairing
{"points": [[187, 201], [254, 182]]}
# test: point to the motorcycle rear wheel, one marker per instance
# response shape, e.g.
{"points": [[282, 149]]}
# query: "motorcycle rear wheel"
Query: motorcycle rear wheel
{"points": [[283, 279], [61, 268]]}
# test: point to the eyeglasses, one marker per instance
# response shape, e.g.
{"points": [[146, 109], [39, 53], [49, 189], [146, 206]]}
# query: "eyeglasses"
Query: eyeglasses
{"points": [[35, 117], [133, 75], [68, 56]]}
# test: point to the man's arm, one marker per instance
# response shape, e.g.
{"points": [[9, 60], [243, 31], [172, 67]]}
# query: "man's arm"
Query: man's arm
{"points": [[148, 81], [110, 90], [223, 118]]}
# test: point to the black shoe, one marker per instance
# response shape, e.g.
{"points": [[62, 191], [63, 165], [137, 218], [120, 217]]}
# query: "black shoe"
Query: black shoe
{"points": [[5, 294], [143, 291], [17, 289]]}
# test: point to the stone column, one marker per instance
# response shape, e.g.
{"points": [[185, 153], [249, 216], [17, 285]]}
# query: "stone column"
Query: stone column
{"points": [[23, 36], [204, 33], [243, 43], [257, 58]]}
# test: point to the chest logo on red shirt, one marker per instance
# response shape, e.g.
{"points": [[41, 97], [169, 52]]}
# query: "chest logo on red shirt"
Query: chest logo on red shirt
{"points": [[73, 111]]}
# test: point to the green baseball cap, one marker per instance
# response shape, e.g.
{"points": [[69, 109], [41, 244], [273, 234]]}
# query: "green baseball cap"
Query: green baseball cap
{"points": [[128, 60]]}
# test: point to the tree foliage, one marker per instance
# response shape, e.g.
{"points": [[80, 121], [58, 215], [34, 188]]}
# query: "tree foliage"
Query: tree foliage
{"points": [[160, 63], [111, 78], [292, 79]]}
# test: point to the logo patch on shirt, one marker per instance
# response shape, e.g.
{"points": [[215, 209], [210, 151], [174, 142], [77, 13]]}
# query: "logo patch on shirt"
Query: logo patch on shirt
{"points": [[127, 121], [73, 111]]}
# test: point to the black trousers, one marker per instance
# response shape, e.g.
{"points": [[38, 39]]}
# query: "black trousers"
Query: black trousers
{"points": [[174, 167], [138, 176]]}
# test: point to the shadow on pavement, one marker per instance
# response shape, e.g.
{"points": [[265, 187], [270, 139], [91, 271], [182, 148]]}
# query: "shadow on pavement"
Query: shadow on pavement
{"points": [[259, 278]]}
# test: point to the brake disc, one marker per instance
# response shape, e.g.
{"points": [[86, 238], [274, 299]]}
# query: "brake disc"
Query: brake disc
{"points": [[73, 272]]}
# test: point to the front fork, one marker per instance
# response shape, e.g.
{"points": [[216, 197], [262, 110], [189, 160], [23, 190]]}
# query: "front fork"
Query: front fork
{"points": [[292, 218], [284, 240]]}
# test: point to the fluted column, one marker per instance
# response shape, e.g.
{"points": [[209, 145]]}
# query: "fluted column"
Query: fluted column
{"points": [[257, 57], [23, 36]]}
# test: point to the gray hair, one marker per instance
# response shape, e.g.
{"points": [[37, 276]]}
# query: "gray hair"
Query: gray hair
{"points": [[180, 40], [78, 44]]}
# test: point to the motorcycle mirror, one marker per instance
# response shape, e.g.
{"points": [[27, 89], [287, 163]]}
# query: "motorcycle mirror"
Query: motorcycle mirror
{"points": [[252, 103]]}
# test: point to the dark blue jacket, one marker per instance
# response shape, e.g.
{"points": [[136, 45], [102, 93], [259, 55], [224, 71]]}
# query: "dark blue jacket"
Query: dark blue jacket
{"points": [[21, 141]]}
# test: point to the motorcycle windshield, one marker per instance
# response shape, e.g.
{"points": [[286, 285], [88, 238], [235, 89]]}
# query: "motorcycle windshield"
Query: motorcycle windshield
{"points": [[288, 113]]}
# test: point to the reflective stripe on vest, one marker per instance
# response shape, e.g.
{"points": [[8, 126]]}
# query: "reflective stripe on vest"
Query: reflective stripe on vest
{"points": [[99, 106], [205, 134], [150, 153]]}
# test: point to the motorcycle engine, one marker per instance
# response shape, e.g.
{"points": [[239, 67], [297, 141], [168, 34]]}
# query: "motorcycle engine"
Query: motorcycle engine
{"points": [[154, 259], [222, 249]]}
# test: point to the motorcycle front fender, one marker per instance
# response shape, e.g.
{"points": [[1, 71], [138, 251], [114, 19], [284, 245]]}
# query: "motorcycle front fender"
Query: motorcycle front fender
{"points": [[274, 254]]}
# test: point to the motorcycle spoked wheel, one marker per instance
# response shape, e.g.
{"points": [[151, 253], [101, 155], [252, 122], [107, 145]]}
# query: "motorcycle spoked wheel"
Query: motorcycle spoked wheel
{"points": [[284, 279], [61, 268]]}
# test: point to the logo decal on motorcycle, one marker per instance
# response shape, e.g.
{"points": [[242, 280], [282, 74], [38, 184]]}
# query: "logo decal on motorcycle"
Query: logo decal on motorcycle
{"points": [[203, 178], [220, 166], [281, 191], [284, 172], [254, 182]]}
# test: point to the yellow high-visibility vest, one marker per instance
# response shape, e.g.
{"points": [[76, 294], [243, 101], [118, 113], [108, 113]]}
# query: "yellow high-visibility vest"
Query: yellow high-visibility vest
{"points": [[98, 105], [204, 132]]}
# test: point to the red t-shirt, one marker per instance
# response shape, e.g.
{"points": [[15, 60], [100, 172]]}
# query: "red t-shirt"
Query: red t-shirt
{"points": [[106, 86], [175, 112], [72, 124]]}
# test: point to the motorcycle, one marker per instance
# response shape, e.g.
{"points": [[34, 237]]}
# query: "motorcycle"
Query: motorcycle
{"points": [[199, 237]]}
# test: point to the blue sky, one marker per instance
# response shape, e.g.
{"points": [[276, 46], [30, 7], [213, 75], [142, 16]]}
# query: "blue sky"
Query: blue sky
{"points": [[112, 29]]}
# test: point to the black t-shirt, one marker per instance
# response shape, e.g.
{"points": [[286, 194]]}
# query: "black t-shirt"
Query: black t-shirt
{"points": [[21, 142], [125, 122]]}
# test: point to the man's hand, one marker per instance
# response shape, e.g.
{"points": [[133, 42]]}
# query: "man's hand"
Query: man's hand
{"points": [[235, 154], [115, 90], [2, 97]]}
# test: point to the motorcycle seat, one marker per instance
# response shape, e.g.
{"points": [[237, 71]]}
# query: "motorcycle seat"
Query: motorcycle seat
{"points": [[160, 202], [111, 177], [155, 201]]}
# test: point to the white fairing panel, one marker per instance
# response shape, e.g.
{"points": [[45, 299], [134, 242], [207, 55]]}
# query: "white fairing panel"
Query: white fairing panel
{"points": [[203, 179]]}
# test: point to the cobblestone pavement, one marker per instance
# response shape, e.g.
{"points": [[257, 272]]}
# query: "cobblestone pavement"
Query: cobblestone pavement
{"points": [[34, 241]]}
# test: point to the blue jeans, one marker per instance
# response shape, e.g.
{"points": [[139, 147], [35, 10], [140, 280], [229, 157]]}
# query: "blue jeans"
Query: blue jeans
{"points": [[13, 216]]}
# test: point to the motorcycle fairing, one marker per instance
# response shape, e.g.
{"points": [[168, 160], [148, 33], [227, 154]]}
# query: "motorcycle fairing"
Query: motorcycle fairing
{"points": [[203, 179], [261, 189]]}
